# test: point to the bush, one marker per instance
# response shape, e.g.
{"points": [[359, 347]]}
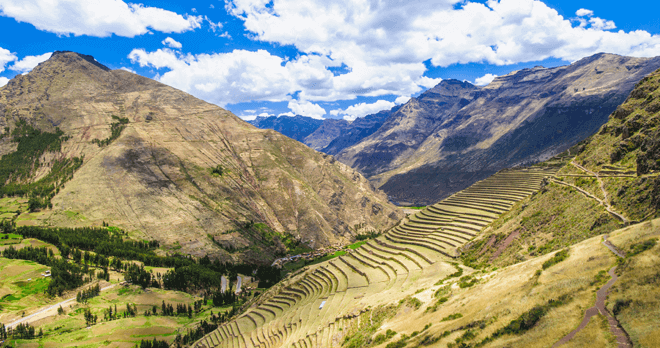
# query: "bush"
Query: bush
{"points": [[638, 248], [559, 257]]}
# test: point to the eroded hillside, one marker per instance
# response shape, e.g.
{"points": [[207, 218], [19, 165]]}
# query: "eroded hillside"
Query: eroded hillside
{"points": [[167, 166], [456, 134]]}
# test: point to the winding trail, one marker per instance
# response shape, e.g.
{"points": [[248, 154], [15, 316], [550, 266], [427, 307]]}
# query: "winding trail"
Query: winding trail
{"points": [[46, 309], [605, 202], [590, 195], [622, 338]]}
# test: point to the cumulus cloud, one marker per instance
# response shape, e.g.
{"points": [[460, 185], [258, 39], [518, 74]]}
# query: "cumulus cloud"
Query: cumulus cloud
{"points": [[305, 108], [5, 57], [100, 18], [363, 109], [170, 42], [484, 80], [401, 100], [29, 62], [584, 12], [3, 81], [380, 33], [382, 47]]}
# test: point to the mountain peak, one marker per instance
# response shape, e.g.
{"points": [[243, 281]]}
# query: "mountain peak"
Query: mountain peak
{"points": [[75, 57]]}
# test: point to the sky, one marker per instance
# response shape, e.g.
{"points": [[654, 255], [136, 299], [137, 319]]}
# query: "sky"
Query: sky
{"points": [[320, 58]]}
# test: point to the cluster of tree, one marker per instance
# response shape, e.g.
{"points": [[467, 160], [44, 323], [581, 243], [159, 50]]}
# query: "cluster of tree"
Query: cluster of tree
{"points": [[86, 294], [225, 298], [367, 235], [18, 167], [115, 131], [136, 274], [193, 335], [225, 316], [153, 344], [41, 255], [3, 332], [109, 314], [90, 319], [104, 274], [181, 309], [64, 275], [25, 331]]}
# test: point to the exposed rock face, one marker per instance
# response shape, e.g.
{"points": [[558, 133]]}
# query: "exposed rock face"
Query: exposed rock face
{"points": [[356, 131], [456, 134], [156, 178], [297, 127], [329, 130]]}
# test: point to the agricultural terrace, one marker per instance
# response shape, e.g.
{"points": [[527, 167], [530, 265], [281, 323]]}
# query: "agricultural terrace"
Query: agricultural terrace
{"points": [[321, 304]]}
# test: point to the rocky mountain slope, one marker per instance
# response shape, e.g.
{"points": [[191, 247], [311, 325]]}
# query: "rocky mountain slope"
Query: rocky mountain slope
{"points": [[609, 180], [456, 134], [297, 127], [329, 135], [129, 151]]}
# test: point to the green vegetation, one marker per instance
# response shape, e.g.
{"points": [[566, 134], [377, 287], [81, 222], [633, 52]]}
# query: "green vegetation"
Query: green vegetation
{"points": [[357, 244], [19, 167], [115, 131], [638, 248], [559, 257], [458, 273], [452, 317], [360, 333], [382, 338], [367, 235], [410, 301], [217, 170]]}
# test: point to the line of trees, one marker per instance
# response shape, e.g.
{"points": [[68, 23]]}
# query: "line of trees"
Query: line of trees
{"points": [[86, 294]]}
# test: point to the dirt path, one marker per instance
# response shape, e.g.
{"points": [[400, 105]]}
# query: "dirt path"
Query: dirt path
{"points": [[589, 195], [622, 338], [605, 202], [45, 312]]}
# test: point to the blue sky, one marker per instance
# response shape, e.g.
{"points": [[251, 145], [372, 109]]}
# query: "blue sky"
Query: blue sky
{"points": [[337, 59]]}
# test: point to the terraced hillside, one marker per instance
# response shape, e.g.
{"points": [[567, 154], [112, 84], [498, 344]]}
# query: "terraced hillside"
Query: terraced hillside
{"points": [[315, 307]]}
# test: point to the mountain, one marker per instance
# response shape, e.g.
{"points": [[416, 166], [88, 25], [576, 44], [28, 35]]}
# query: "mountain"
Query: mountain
{"points": [[456, 134], [92, 145], [297, 127], [357, 130], [329, 135]]}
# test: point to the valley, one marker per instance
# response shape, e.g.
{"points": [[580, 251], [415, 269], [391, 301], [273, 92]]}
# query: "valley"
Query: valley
{"points": [[160, 217]]}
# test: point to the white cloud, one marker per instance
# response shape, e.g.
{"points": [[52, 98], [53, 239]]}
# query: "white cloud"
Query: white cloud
{"points": [[305, 108], [3, 81], [401, 100], [264, 114], [100, 18], [248, 117], [5, 57], [128, 69], [381, 46], [428, 82], [484, 80], [601, 24], [584, 12], [170, 42], [29, 62], [366, 34], [363, 109], [289, 114]]}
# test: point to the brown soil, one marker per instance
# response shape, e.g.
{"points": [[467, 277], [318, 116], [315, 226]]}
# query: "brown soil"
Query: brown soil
{"points": [[505, 244]]}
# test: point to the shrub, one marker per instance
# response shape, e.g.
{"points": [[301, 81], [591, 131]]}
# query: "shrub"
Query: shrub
{"points": [[638, 248], [559, 257]]}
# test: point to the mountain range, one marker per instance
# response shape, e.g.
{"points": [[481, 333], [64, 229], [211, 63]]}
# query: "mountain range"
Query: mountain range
{"points": [[127, 151], [456, 133]]}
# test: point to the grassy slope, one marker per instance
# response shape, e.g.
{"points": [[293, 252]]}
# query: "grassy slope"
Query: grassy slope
{"points": [[626, 147], [503, 295]]}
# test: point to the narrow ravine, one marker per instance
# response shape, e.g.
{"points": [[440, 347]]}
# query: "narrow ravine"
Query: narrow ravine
{"points": [[622, 338]]}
